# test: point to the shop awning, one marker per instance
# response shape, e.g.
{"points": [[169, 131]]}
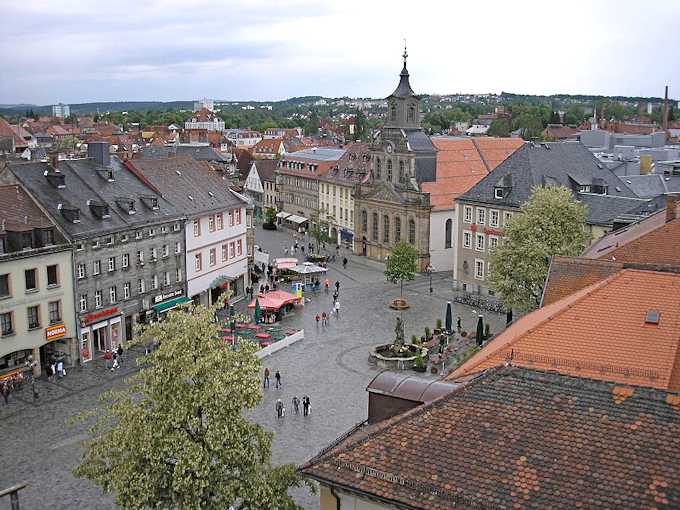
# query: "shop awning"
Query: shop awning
{"points": [[282, 214], [308, 268], [172, 303], [285, 263], [274, 300], [222, 282], [296, 219]]}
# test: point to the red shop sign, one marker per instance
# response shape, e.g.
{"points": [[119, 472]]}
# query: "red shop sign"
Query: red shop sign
{"points": [[92, 317], [473, 227], [493, 232]]}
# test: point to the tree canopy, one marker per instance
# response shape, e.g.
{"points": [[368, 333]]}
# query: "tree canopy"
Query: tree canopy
{"points": [[499, 127], [550, 223], [176, 436], [401, 264]]}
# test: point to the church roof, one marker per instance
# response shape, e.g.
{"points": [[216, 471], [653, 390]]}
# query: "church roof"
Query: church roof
{"points": [[404, 89]]}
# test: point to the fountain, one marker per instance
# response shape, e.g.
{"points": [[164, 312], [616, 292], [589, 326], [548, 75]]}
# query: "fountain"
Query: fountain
{"points": [[397, 355]]}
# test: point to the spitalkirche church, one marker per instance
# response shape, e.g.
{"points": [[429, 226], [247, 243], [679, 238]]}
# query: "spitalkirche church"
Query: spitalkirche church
{"points": [[391, 207]]}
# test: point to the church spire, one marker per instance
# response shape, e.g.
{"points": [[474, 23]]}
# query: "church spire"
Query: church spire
{"points": [[404, 88], [405, 56]]}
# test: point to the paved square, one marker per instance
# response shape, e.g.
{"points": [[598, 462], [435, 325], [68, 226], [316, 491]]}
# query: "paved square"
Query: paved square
{"points": [[330, 365]]}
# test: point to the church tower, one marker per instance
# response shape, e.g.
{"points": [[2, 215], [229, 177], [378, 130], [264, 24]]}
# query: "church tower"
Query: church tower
{"points": [[403, 106]]}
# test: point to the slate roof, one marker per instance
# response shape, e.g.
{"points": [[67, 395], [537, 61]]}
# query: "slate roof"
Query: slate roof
{"points": [[652, 185], [192, 186], [84, 181], [353, 167], [317, 154], [404, 89], [18, 211], [266, 169], [563, 163], [600, 331], [518, 438], [197, 152]]}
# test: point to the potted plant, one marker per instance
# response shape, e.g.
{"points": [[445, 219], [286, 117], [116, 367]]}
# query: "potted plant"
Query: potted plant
{"points": [[487, 331], [414, 340], [438, 328], [428, 333], [419, 365]]}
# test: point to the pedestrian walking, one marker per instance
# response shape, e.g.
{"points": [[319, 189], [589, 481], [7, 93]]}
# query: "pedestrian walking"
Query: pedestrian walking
{"points": [[335, 296], [120, 352], [306, 406], [296, 405], [326, 284], [285, 250], [280, 410], [337, 286], [266, 288], [115, 361], [302, 249], [296, 246], [318, 318], [277, 376], [458, 324], [344, 262], [60, 369], [5, 390], [324, 320], [292, 249], [337, 309], [265, 384]]}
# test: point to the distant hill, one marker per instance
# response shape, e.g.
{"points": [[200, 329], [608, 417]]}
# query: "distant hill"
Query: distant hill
{"points": [[102, 107]]}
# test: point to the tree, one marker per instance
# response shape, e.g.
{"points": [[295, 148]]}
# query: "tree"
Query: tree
{"points": [[574, 115], [550, 223], [65, 143], [499, 127], [177, 437], [401, 265], [270, 215], [530, 126], [312, 126]]}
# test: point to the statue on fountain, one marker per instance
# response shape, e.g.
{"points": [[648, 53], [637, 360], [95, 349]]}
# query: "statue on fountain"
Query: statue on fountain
{"points": [[399, 333]]}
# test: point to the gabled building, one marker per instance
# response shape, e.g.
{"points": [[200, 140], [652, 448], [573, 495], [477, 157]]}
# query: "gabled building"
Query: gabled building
{"points": [[260, 184], [205, 119], [392, 206], [215, 235], [488, 207], [37, 316], [269, 149], [127, 240]]}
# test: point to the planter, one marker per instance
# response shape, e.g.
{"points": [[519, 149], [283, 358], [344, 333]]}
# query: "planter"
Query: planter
{"points": [[384, 357], [269, 226], [399, 304], [421, 369]]}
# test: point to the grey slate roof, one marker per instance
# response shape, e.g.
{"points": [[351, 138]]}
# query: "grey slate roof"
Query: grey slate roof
{"points": [[558, 163], [197, 152], [192, 186], [603, 209], [404, 89], [426, 155], [84, 181], [266, 169], [652, 185], [318, 154]]}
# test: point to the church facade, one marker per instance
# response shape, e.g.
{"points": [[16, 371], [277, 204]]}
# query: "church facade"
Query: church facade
{"points": [[391, 207]]}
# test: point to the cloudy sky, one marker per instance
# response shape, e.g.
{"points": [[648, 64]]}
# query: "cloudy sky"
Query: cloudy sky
{"points": [[94, 50]]}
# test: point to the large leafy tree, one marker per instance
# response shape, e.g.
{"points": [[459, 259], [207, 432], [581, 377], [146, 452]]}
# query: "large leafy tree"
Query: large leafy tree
{"points": [[176, 436], [550, 223], [401, 265], [499, 127]]}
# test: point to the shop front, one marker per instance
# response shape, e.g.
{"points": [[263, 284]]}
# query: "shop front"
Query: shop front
{"points": [[347, 238], [100, 332], [56, 347], [163, 303]]}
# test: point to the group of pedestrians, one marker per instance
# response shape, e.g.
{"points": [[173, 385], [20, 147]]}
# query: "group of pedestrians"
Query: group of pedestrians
{"points": [[280, 408], [116, 356]]}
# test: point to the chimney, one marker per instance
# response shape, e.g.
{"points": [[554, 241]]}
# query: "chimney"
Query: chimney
{"points": [[665, 111], [672, 203], [54, 160], [99, 152]]}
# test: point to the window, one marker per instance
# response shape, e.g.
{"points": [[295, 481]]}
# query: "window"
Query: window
{"points": [[113, 295], [6, 326], [231, 218], [386, 229], [83, 302], [96, 267], [213, 256], [140, 286], [112, 264], [31, 279], [397, 229], [494, 217], [178, 274], [140, 257], [125, 262], [239, 247], [364, 221], [467, 214], [4, 285], [211, 223], [411, 231], [237, 214], [138, 234], [176, 227], [479, 269], [166, 278], [52, 275], [448, 232], [109, 240], [402, 176], [220, 221], [178, 248], [389, 170], [98, 299], [393, 112], [378, 168], [411, 114], [493, 243], [123, 238], [152, 232], [507, 217], [126, 290], [54, 310], [481, 216], [80, 247], [467, 239], [375, 227], [48, 237], [232, 250], [33, 313], [154, 254], [498, 193], [164, 229], [166, 250], [197, 228], [479, 245], [224, 253], [26, 241], [154, 282], [198, 262]]}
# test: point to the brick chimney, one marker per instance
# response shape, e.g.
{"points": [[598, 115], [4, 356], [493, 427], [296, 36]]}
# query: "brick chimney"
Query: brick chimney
{"points": [[54, 160], [672, 206], [664, 120]]}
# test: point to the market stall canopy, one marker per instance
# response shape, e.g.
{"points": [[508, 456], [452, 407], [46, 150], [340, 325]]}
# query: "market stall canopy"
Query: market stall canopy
{"points": [[169, 305], [308, 268], [274, 300], [282, 214], [296, 219], [288, 263]]}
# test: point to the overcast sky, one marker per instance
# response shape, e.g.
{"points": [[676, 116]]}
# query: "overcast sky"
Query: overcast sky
{"points": [[94, 50]]}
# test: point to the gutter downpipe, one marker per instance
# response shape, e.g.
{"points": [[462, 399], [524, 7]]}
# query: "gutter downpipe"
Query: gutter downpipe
{"points": [[337, 498]]}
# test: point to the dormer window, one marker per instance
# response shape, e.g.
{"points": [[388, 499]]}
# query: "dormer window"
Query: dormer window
{"points": [[99, 209], [150, 201], [498, 193], [55, 178], [127, 204], [70, 213]]}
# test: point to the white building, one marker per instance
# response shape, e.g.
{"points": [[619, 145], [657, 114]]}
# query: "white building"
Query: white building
{"points": [[243, 138], [204, 104], [61, 110], [205, 119]]}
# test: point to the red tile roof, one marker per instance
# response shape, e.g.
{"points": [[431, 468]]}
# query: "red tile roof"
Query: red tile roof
{"points": [[517, 438], [18, 211], [560, 132], [268, 146], [570, 274], [462, 163], [599, 331], [7, 131]]}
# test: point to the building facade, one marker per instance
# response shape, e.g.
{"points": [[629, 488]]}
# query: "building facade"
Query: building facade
{"points": [[205, 119], [391, 206], [127, 243], [61, 111], [37, 316]]}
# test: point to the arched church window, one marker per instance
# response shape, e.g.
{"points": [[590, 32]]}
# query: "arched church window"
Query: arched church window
{"points": [[375, 227], [378, 168], [386, 229], [393, 112], [448, 232], [411, 113], [389, 170], [402, 176], [397, 229], [412, 231]]}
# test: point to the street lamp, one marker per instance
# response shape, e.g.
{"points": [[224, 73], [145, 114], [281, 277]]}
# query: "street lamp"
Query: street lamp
{"points": [[429, 270]]}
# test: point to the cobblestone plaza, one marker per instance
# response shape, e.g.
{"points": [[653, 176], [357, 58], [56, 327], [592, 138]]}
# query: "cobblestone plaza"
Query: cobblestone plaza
{"points": [[330, 365]]}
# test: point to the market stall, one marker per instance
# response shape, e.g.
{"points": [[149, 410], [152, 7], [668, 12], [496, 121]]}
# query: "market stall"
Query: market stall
{"points": [[309, 273], [274, 305]]}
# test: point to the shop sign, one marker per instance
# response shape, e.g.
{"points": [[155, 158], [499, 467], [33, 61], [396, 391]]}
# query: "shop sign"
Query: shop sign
{"points": [[169, 295], [95, 316], [56, 331]]}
